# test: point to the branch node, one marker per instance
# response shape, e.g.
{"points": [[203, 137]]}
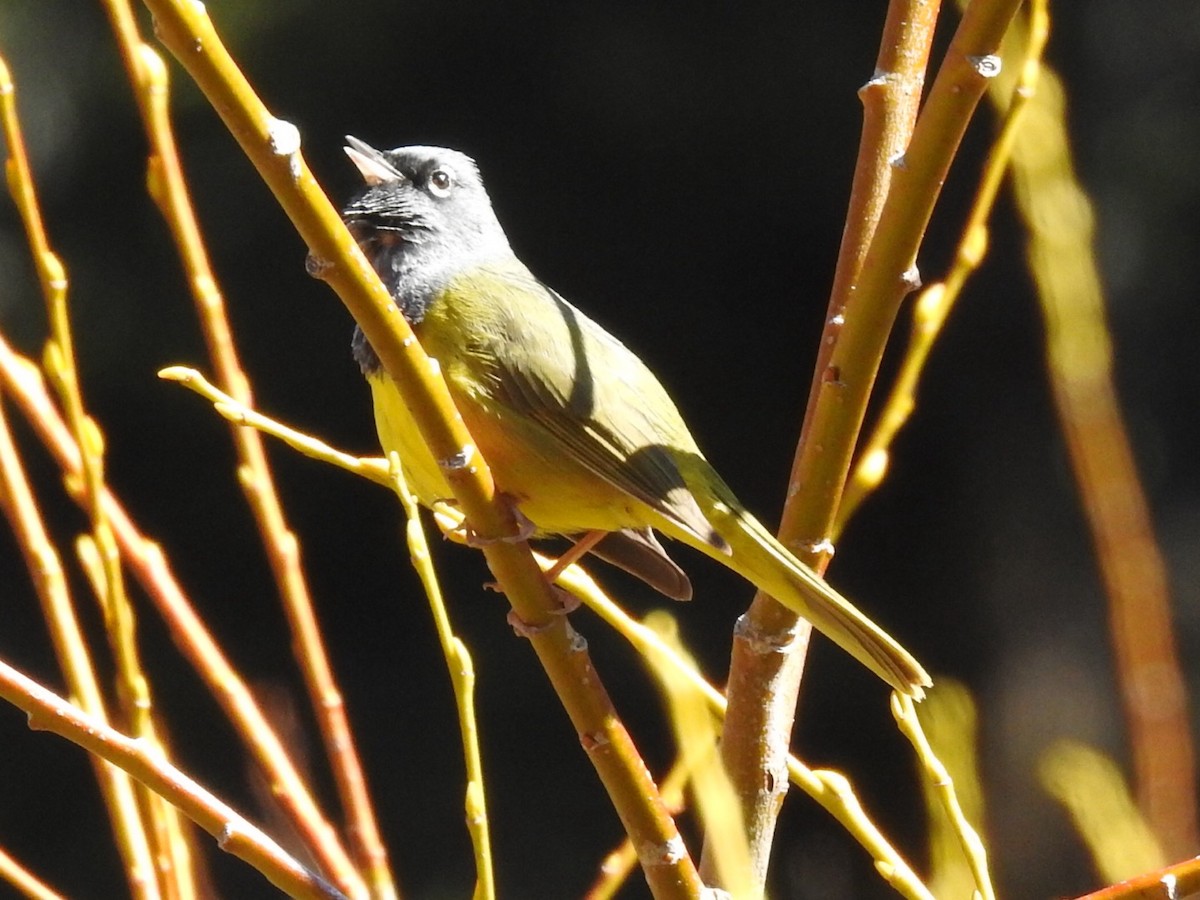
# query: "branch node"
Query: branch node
{"points": [[763, 643], [284, 139], [579, 643], [524, 629], [879, 78], [459, 460], [988, 66], [593, 740], [316, 266], [823, 547], [665, 854]]}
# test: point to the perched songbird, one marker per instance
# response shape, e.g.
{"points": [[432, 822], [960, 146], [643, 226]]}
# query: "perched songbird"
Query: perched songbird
{"points": [[577, 431]]}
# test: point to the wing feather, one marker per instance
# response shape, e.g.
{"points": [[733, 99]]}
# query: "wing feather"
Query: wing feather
{"points": [[591, 394]]}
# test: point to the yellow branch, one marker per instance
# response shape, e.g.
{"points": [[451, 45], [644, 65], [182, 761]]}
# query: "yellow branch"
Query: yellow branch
{"points": [[274, 148], [942, 785], [462, 679]]}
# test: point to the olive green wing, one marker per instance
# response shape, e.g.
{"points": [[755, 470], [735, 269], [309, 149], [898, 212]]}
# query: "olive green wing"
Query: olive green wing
{"points": [[593, 396]]}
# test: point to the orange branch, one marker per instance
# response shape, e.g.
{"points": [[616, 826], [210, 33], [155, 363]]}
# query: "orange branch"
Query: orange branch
{"points": [[49, 712]]}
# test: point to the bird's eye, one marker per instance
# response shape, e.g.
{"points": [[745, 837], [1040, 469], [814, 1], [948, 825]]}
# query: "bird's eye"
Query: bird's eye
{"points": [[440, 182]]}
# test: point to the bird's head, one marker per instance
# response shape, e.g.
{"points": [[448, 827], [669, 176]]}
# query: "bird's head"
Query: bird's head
{"points": [[428, 197]]}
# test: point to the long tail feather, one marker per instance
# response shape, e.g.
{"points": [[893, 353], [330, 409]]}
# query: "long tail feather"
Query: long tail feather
{"points": [[759, 558], [768, 564]]}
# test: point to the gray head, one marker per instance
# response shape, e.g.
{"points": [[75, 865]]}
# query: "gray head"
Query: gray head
{"points": [[423, 217]]}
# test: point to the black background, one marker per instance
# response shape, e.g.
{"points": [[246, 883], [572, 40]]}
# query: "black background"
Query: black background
{"points": [[681, 172]]}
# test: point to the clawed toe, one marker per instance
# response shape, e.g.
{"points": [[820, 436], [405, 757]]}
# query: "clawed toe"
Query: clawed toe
{"points": [[567, 603], [525, 529]]}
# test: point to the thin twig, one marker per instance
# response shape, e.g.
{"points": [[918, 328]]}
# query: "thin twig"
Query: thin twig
{"points": [[1079, 357], [130, 828], [24, 881], [371, 468], [950, 720], [462, 678], [697, 741], [940, 782]]}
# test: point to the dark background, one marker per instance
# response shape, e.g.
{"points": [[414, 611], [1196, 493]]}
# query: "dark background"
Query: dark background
{"points": [[680, 171]]}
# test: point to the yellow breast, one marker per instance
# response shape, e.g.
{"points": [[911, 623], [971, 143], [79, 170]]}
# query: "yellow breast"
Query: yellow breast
{"points": [[552, 490]]}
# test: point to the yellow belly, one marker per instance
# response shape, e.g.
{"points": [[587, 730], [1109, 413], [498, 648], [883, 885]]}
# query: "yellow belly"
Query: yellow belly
{"points": [[556, 493]]}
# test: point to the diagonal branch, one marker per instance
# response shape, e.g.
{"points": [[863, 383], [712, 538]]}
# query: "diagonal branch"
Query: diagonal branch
{"points": [[274, 148], [49, 712], [1079, 357]]}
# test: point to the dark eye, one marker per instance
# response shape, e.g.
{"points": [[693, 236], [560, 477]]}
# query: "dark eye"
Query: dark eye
{"points": [[440, 182]]}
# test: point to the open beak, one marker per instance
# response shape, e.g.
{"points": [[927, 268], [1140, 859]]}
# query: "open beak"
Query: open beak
{"points": [[371, 164]]}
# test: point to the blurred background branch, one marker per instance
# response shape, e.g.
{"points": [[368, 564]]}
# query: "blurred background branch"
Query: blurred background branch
{"points": [[1079, 355]]}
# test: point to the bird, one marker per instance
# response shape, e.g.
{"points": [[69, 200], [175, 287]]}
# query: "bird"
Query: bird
{"points": [[578, 432]]}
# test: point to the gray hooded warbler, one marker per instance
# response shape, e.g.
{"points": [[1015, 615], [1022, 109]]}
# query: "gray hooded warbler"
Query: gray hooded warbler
{"points": [[576, 429]]}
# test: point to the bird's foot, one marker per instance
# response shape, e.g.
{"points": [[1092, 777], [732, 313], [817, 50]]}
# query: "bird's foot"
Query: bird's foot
{"points": [[567, 603], [574, 553], [525, 528]]}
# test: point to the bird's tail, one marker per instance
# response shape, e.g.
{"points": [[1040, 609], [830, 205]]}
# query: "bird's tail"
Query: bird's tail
{"points": [[759, 558]]}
